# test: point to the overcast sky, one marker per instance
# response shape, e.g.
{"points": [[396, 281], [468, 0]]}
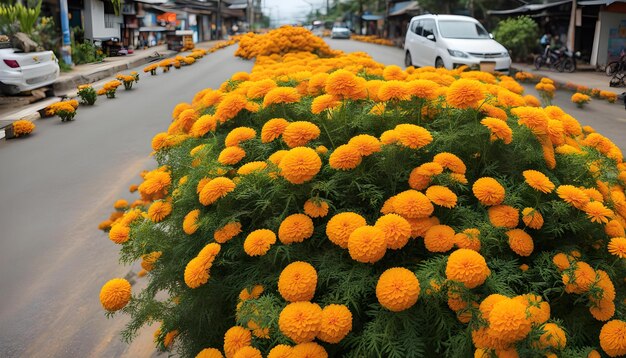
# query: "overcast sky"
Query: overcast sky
{"points": [[291, 11]]}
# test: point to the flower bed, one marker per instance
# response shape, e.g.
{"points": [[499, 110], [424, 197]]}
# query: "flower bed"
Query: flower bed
{"points": [[339, 207], [373, 39]]}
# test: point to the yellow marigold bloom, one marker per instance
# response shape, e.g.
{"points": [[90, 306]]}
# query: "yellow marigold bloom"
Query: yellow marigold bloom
{"points": [[394, 90], [561, 261], [295, 228], [439, 238], [424, 89], [498, 129], [468, 239], [396, 230], [281, 95], [412, 136], [190, 223], [537, 310], [372, 88], [397, 289], [420, 177], [309, 350], [230, 106], [613, 338], [602, 310], [276, 157], [231, 155], [485, 338], [573, 196], [280, 351], [260, 88], [450, 161], [159, 210], [316, 208], [520, 242], [343, 84], [155, 182], [365, 144], [393, 72], [442, 196], [259, 242], [317, 82], [345, 157], [534, 118], [617, 247], [538, 181], [179, 108], [215, 189], [236, 338], [367, 244], [299, 133], [321, 149], [493, 112], [120, 204], [488, 191], [597, 212], [251, 167], [508, 321], [158, 141], [212, 98], [583, 277], [300, 321], [614, 229], [532, 218], [389, 137], [238, 135], [209, 353], [300, 165], [248, 352], [532, 101], [341, 226], [468, 267], [115, 294], [119, 234], [465, 93], [378, 109], [297, 282], [506, 98], [420, 226], [324, 102], [503, 216], [487, 304], [413, 204], [336, 323]]}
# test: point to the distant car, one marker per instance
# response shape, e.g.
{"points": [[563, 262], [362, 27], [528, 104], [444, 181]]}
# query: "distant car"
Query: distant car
{"points": [[340, 31], [20, 71], [451, 41]]}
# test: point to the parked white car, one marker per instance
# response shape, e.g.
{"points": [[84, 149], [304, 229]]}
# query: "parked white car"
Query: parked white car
{"points": [[340, 31], [451, 41], [20, 71]]}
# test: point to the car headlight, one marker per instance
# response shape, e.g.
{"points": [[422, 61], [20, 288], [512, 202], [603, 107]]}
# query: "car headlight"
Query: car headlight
{"points": [[504, 54], [457, 53]]}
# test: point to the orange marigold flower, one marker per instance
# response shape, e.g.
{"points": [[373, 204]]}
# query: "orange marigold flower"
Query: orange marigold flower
{"points": [[236, 338], [583, 277], [534, 118], [393, 72], [197, 272], [532, 218], [468, 239], [317, 82], [297, 282], [487, 304], [190, 223], [159, 210], [321, 149], [520, 242], [340, 227], [119, 233], [272, 129], [238, 135], [439, 238], [336, 323], [299, 133], [450, 161], [367, 244], [231, 155], [508, 321], [538, 181], [573, 196], [251, 167], [280, 351], [115, 294], [309, 350], [248, 352], [468, 267], [493, 112], [260, 88], [277, 156], [602, 310], [372, 88], [389, 137], [210, 353], [503, 216], [215, 189], [597, 212], [553, 336], [397, 289], [413, 204], [412, 136], [316, 208], [499, 129], [324, 102], [617, 247], [488, 191], [300, 321], [179, 108], [345, 157], [614, 229], [613, 338], [465, 93], [442, 196], [158, 141], [365, 144], [259, 242], [561, 261], [394, 90], [424, 89], [300, 165], [230, 106], [281, 95], [396, 229], [343, 84], [295, 228]]}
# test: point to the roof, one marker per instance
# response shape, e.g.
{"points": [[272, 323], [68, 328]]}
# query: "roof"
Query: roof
{"points": [[401, 8], [598, 2], [446, 17], [528, 8], [370, 17]]}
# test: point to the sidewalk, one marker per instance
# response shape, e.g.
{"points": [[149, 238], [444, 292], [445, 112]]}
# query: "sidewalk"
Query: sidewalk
{"points": [[591, 79]]}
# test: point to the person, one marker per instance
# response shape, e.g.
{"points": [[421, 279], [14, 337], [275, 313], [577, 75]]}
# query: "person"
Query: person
{"points": [[544, 41]]}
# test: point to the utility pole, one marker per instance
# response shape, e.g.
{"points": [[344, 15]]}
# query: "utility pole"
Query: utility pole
{"points": [[218, 20], [66, 46]]}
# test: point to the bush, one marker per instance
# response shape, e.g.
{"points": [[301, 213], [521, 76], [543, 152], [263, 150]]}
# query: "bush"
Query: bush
{"points": [[519, 35], [86, 52], [351, 209]]}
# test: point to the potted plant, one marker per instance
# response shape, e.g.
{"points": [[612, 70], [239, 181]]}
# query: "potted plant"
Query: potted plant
{"points": [[87, 94]]}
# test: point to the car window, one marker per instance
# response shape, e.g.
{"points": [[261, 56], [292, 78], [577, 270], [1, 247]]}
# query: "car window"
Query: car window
{"points": [[463, 30], [429, 27], [416, 27]]}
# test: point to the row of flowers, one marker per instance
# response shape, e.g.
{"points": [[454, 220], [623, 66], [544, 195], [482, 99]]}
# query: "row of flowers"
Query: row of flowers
{"points": [[373, 39], [581, 96]]}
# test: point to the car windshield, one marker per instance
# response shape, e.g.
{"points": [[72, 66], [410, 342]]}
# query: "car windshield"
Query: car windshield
{"points": [[340, 24], [462, 30]]}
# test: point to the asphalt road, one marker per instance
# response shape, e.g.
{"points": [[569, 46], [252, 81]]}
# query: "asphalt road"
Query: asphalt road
{"points": [[56, 186]]}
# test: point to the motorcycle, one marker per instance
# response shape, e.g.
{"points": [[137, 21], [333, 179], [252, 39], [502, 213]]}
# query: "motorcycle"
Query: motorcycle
{"points": [[561, 60]]}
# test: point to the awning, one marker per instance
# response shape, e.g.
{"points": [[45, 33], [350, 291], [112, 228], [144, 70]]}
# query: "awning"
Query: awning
{"points": [[238, 6], [401, 8], [152, 29], [166, 9], [372, 17], [528, 8], [599, 2]]}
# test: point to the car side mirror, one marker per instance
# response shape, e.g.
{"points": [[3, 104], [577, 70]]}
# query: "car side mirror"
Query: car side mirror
{"points": [[490, 35], [431, 37]]}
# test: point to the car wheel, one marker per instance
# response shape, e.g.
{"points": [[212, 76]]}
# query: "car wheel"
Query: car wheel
{"points": [[439, 62], [9, 90], [408, 61]]}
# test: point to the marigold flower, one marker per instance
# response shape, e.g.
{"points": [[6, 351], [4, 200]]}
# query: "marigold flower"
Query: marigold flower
{"points": [[372, 88], [450, 161], [281, 95], [231, 155], [316, 208], [413, 204], [499, 129], [465, 93], [260, 88], [394, 90], [324, 102], [508, 321], [280, 351], [209, 353], [309, 350], [486, 339], [298, 134], [412, 136], [602, 310], [115, 294], [532, 218], [468, 239], [341, 226], [520, 242], [300, 165], [597, 212], [442, 196], [439, 238], [238, 135], [365, 144], [297, 282], [230, 106], [424, 89], [277, 156], [155, 182], [344, 157], [300, 321], [397, 289], [573, 196], [321, 149], [468, 267], [236, 338], [396, 229], [272, 129], [487, 304], [251, 167], [197, 272], [534, 118], [119, 234], [248, 352], [215, 189], [259, 242], [179, 108], [344, 84], [488, 191], [617, 247], [393, 72], [583, 277], [503, 216], [158, 141], [336, 323], [538, 181], [389, 137], [561, 261], [295, 228], [367, 244], [613, 338]]}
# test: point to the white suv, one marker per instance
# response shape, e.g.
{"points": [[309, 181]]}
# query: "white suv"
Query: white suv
{"points": [[20, 71], [451, 41]]}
